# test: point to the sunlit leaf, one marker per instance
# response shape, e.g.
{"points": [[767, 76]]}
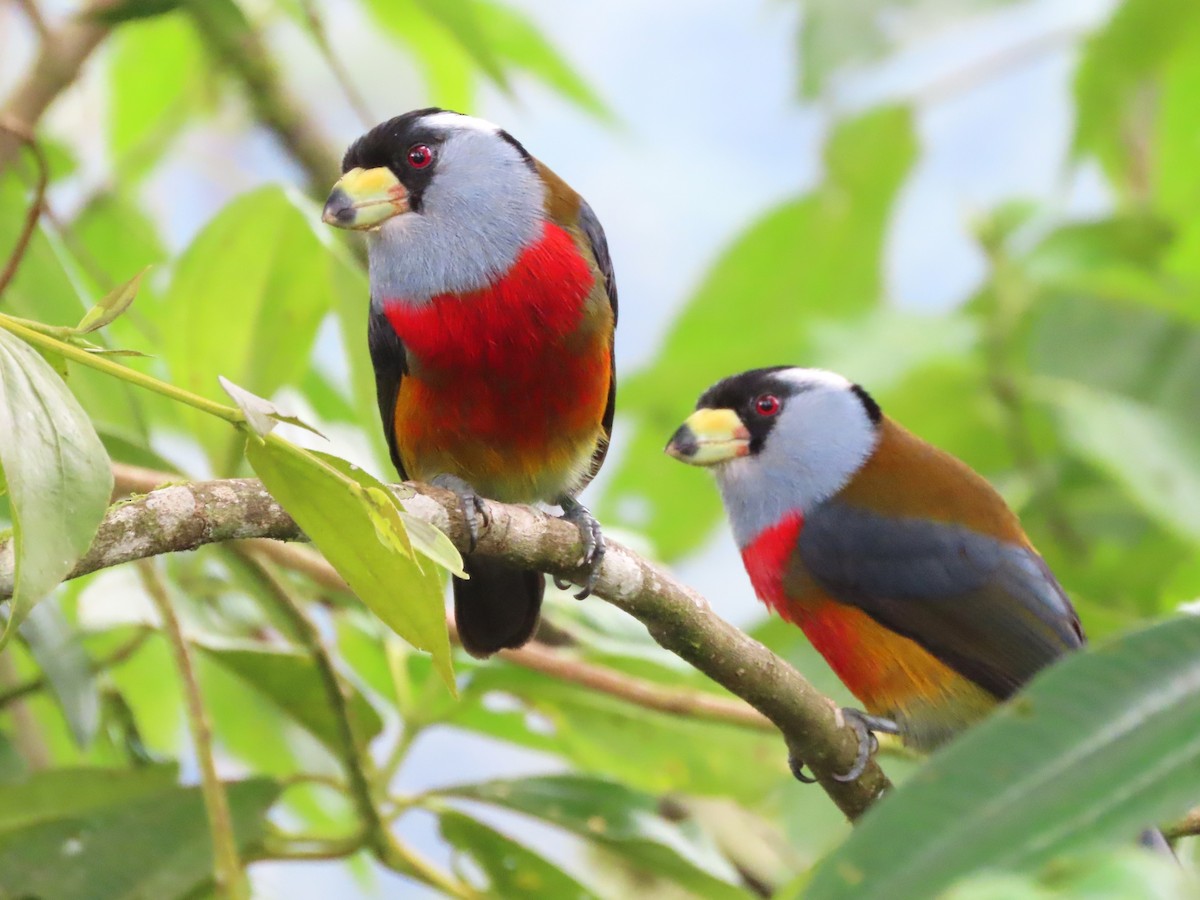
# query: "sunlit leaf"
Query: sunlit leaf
{"points": [[111, 305], [1095, 749], [58, 474], [334, 512], [245, 302]]}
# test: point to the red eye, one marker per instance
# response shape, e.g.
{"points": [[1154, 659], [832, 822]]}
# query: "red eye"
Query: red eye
{"points": [[419, 156], [767, 405]]}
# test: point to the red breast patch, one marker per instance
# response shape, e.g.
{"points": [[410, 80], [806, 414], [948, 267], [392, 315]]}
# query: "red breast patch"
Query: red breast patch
{"points": [[766, 558]]}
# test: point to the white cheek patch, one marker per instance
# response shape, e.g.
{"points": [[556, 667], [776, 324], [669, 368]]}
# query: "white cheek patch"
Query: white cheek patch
{"points": [[822, 437], [483, 206]]}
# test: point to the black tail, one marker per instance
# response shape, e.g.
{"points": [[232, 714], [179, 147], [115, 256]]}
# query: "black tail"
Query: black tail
{"points": [[498, 607]]}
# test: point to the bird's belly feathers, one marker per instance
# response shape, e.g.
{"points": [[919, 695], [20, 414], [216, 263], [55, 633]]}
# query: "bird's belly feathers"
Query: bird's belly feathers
{"points": [[507, 387], [891, 675]]}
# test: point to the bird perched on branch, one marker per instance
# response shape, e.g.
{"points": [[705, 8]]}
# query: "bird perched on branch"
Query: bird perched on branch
{"points": [[904, 568], [493, 309]]}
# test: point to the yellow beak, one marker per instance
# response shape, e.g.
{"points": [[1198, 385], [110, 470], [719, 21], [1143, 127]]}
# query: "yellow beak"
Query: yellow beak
{"points": [[710, 436], [365, 198]]}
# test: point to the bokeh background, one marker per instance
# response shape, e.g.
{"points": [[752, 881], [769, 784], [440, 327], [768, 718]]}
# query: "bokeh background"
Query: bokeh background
{"points": [[985, 211]]}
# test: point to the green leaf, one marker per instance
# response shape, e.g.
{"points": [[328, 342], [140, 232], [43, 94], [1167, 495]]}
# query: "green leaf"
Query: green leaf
{"points": [[1115, 78], [1093, 750], [111, 305], [334, 511], [812, 259], [448, 70], [413, 533], [56, 647], [146, 113], [291, 681], [464, 22], [148, 841], [512, 869], [623, 820], [1150, 454], [245, 301], [57, 473], [261, 414], [72, 793]]}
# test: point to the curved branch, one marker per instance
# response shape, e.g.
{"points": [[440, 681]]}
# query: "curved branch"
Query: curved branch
{"points": [[187, 516]]}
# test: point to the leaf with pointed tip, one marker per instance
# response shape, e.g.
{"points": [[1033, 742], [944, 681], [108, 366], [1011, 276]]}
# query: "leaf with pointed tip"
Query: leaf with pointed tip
{"points": [[1096, 748], [334, 511], [261, 414], [57, 472], [111, 305]]}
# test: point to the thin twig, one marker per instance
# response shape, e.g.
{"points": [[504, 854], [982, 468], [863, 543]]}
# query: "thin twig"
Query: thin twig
{"points": [[227, 868], [35, 208], [358, 764], [1188, 826], [27, 732]]}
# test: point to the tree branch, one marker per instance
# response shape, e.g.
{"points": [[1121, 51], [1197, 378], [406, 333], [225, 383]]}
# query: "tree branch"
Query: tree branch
{"points": [[59, 61], [187, 516]]}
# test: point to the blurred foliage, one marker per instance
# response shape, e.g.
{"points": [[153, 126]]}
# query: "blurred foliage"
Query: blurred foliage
{"points": [[1070, 378]]}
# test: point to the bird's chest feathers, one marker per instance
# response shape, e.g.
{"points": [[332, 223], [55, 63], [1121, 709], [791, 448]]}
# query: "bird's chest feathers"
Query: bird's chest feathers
{"points": [[507, 386], [515, 323], [766, 559]]}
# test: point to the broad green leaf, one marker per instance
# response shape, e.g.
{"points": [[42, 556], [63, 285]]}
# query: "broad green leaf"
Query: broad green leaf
{"points": [[813, 259], [1096, 748], [154, 845], [57, 473], [1114, 82], [73, 793], [334, 512], [58, 650], [1123, 875], [1152, 455], [261, 414], [245, 302], [623, 820], [413, 533], [464, 21], [111, 305], [512, 869], [291, 681], [146, 113], [446, 64]]}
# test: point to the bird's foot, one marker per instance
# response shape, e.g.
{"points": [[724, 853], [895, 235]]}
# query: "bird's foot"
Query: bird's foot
{"points": [[473, 508], [593, 544], [796, 764], [864, 726]]}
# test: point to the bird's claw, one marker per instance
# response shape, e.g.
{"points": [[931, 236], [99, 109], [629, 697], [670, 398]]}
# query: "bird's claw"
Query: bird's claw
{"points": [[796, 764], [864, 726], [473, 508], [593, 544]]}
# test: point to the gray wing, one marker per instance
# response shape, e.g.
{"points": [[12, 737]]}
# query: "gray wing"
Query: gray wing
{"points": [[592, 230], [990, 610]]}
